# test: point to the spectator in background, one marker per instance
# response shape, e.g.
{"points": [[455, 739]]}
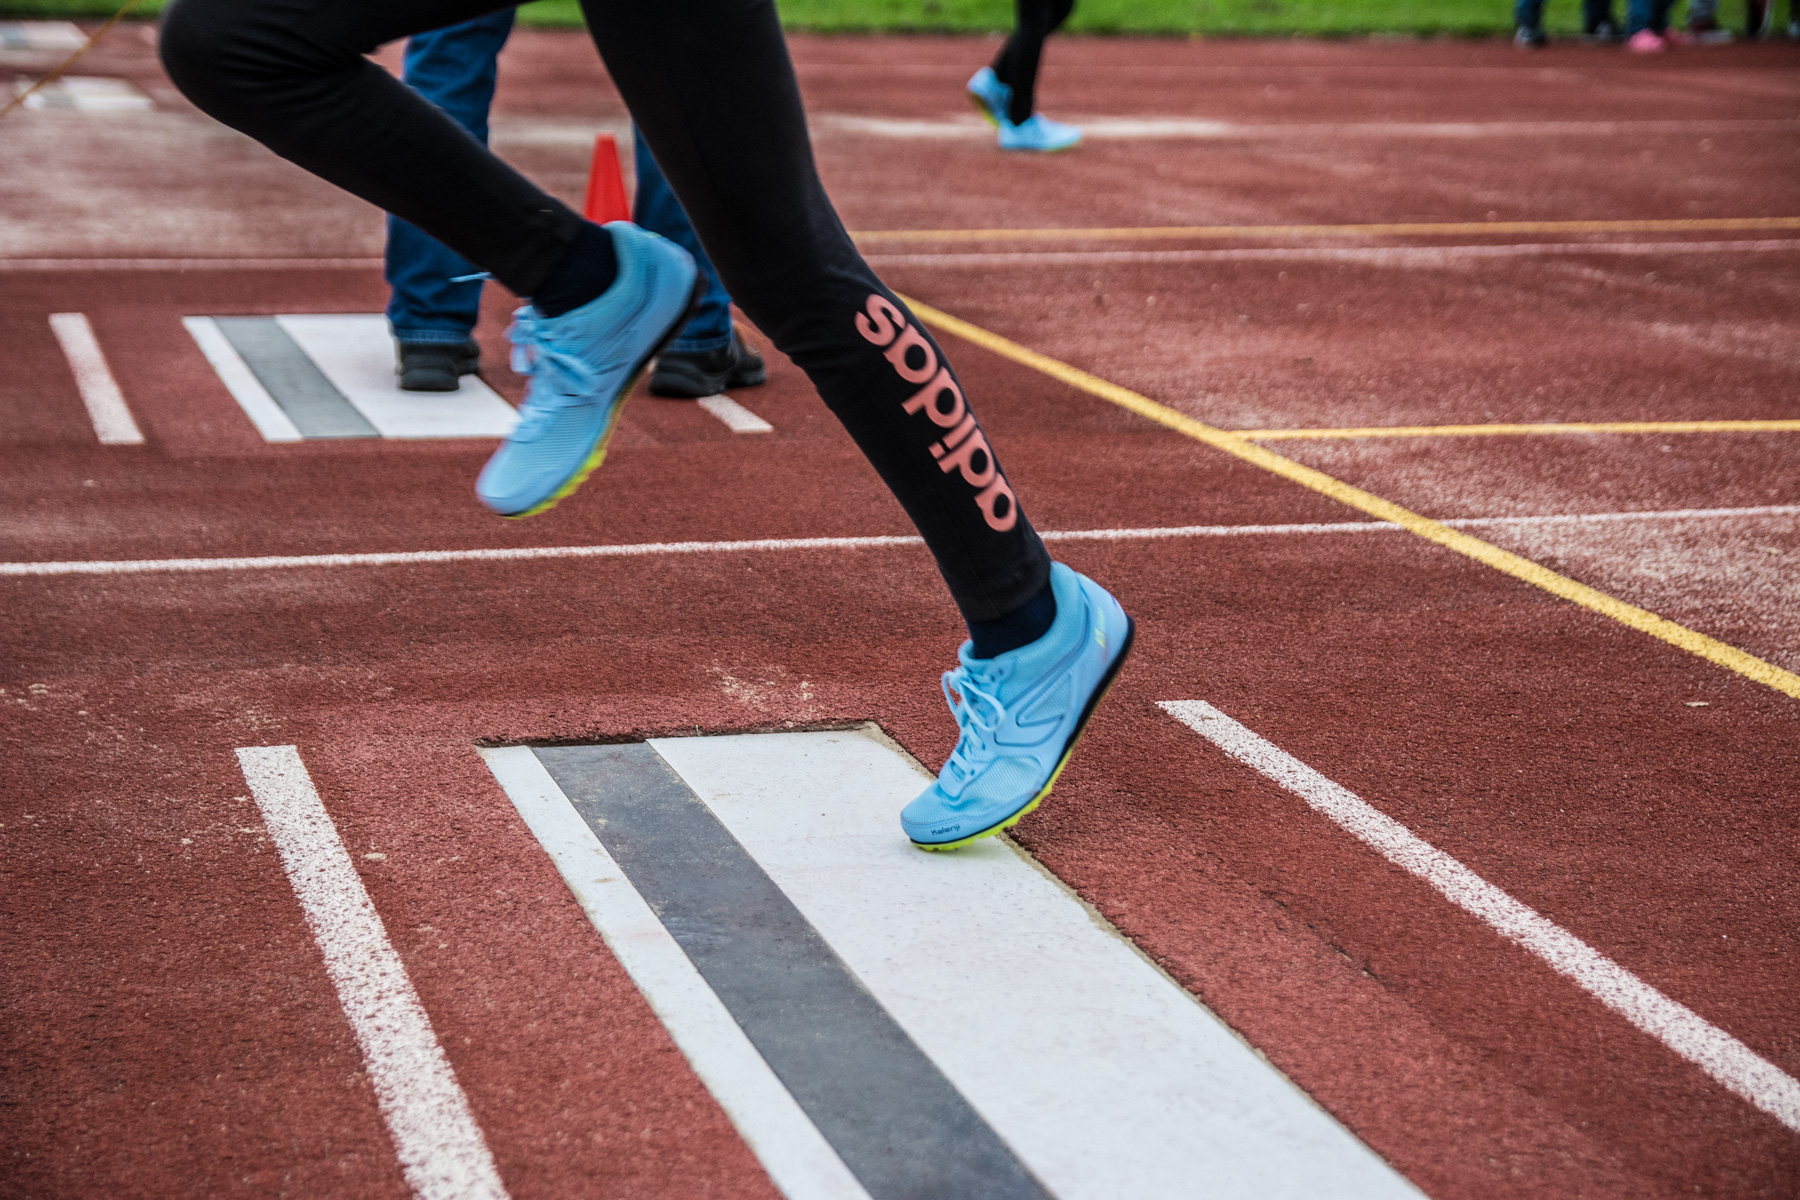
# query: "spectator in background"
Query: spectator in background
{"points": [[435, 297], [1647, 26], [1597, 22]]}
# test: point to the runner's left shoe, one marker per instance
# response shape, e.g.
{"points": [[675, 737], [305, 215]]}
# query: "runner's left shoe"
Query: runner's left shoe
{"points": [[583, 364], [1019, 715]]}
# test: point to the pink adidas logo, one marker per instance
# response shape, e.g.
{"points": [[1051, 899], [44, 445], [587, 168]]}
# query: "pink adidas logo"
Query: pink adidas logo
{"points": [[965, 447]]}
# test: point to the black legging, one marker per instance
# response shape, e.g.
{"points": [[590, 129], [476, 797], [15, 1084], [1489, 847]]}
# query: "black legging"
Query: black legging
{"points": [[1017, 64], [710, 84]]}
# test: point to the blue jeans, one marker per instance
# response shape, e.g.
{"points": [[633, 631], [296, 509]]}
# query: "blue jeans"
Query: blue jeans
{"points": [[454, 68], [1529, 14], [1647, 14]]}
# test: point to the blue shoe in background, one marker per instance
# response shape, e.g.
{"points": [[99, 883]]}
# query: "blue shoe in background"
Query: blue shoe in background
{"points": [[1038, 133], [992, 98], [1019, 714], [583, 364]]}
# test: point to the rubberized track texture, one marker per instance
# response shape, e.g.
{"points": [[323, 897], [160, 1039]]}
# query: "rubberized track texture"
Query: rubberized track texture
{"points": [[1430, 406]]}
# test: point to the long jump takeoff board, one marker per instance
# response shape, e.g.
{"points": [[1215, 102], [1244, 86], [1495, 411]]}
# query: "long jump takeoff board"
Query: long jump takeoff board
{"points": [[332, 376], [894, 1025]]}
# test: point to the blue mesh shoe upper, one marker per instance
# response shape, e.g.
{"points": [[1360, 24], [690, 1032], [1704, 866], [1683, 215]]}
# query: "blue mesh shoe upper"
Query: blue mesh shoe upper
{"points": [[582, 364], [1018, 714]]}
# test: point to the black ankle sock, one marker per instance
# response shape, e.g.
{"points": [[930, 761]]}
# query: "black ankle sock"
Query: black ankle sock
{"points": [[587, 269], [1023, 625]]}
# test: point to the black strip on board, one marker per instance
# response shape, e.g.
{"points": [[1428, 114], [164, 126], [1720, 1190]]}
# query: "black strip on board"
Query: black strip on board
{"points": [[901, 1127], [311, 401]]}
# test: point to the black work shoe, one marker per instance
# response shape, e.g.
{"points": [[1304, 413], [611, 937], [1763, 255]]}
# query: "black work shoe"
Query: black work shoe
{"points": [[691, 376], [435, 367]]}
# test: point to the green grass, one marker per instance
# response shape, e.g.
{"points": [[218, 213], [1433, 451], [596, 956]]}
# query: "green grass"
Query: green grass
{"points": [[1272, 18]]}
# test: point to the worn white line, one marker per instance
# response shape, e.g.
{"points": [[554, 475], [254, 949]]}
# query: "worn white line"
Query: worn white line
{"points": [[789, 1146], [1410, 256], [1676, 1026], [737, 418], [1150, 128], [189, 264], [106, 406], [441, 1149], [278, 562], [268, 417]]}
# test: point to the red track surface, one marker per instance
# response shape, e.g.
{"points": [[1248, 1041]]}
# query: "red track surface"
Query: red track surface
{"points": [[169, 1029]]}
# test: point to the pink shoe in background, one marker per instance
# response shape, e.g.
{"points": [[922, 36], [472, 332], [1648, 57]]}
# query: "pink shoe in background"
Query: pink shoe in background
{"points": [[1646, 41]]}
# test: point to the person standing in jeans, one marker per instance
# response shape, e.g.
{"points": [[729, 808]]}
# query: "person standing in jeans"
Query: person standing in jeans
{"points": [[1597, 22], [435, 293]]}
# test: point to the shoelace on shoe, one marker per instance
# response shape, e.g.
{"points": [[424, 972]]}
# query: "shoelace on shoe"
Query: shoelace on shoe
{"points": [[559, 373], [973, 725]]}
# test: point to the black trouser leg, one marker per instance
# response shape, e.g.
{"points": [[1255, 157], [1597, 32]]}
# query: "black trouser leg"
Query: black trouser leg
{"points": [[1017, 64], [291, 74], [710, 84]]}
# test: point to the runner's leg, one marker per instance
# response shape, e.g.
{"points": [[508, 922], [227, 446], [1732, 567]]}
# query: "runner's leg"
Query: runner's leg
{"points": [[1017, 64], [710, 83]]}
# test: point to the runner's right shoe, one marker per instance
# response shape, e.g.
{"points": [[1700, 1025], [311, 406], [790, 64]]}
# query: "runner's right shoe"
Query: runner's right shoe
{"points": [[1019, 714], [1039, 134], [583, 364]]}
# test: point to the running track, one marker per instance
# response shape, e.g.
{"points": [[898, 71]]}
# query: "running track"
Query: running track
{"points": [[169, 1027]]}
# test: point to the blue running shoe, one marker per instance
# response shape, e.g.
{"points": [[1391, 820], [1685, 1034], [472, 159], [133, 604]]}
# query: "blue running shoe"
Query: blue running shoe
{"points": [[1038, 133], [992, 98], [1020, 713], [583, 365]]}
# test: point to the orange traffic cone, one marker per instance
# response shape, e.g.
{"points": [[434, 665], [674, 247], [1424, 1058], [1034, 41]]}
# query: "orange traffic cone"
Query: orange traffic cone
{"points": [[606, 200]]}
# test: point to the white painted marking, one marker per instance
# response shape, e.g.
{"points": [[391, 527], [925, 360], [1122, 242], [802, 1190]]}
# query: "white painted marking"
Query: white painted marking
{"points": [[737, 418], [85, 93], [1676, 1026], [787, 1143], [760, 545], [190, 264], [1380, 256], [1106, 1078], [241, 382], [442, 1152], [356, 352], [1140, 128], [106, 407], [41, 35]]}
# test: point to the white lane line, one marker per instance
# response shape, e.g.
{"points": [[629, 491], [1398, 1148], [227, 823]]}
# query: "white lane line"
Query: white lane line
{"points": [[394, 558], [270, 421], [106, 405], [737, 418], [1142, 128], [85, 93], [789, 1146], [1714, 1051], [1105, 1077], [442, 1152], [190, 264], [1400, 256], [356, 352]]}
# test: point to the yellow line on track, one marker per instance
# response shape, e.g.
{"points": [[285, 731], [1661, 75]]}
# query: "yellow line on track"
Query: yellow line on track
{"points": [[1643, 620], [1407, 229], [1548, 427]]}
